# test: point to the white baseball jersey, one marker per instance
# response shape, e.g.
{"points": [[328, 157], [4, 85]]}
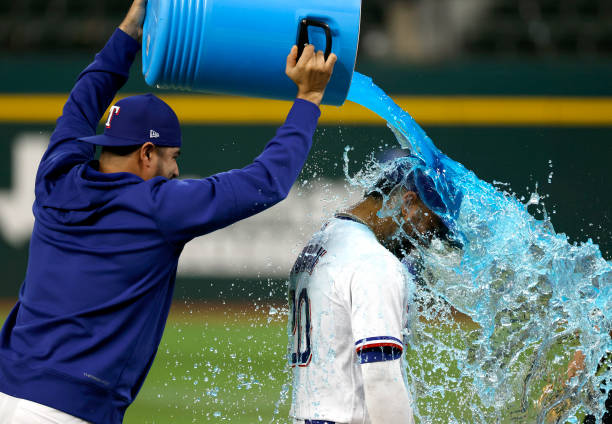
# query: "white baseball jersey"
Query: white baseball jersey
{"points": [[348, 301]]}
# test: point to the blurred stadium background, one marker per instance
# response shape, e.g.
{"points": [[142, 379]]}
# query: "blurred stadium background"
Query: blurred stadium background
{"points": [[520, 91]]}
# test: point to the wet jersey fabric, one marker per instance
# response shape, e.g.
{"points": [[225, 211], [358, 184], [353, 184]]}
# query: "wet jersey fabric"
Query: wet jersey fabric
{"points": [[104, 251], [348, 300]]}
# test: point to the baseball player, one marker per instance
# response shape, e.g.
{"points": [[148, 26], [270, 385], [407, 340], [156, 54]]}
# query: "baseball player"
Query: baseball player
{"points": [[105, 246], [349, 296]]}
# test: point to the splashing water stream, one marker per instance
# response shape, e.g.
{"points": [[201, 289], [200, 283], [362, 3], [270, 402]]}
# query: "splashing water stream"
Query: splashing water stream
{"points": [[533, 298]]}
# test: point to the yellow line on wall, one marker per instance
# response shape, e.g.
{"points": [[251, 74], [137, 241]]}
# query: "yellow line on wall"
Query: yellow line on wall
{"points": [[427, 110]]}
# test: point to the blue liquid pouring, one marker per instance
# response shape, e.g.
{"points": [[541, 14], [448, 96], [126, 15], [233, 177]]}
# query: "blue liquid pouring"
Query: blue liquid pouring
{"points": [[535, 297]]}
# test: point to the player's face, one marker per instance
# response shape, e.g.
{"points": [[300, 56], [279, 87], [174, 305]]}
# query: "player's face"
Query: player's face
{"points": [[399, 244], [414, 223], [166, 162]]}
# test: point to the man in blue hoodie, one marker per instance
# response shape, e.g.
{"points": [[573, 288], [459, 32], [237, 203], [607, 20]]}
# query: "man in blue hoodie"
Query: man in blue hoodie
{"points": [[108, 235]]}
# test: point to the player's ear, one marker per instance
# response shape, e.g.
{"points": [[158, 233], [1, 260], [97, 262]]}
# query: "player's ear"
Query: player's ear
{"points": [[409, 202], [146, 153]]}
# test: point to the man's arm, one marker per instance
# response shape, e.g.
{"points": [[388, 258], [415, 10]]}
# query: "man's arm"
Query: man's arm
{"points": [[93, 92], [385, 392], [380, 288], [190, 208], [132, 24]]}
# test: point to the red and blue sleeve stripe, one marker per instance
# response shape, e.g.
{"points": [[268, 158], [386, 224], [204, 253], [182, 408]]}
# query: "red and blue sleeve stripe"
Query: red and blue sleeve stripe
{"points": [[318, 422], [378, 349]]}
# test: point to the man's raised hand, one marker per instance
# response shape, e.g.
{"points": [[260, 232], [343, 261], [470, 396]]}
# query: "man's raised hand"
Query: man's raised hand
{"points": [[310, 73], [132, 24]]}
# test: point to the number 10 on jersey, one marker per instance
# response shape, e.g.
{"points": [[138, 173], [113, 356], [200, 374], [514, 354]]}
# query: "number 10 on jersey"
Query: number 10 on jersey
{"points": [[301, 354]]}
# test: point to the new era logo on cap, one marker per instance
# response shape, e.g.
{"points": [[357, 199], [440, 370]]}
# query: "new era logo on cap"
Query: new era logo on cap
{"points": [[153, 134]]}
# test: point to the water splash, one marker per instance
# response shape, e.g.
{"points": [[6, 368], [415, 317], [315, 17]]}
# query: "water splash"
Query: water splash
{"points": [[533, 300]]}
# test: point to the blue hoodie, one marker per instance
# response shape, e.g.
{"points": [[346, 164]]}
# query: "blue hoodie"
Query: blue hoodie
{"points": [[105, 247]]}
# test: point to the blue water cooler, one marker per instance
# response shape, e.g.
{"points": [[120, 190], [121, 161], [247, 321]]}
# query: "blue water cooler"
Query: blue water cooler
{"points": [[240, 46]]}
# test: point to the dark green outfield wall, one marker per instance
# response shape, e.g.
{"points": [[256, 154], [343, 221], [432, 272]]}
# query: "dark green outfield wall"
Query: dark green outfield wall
{"points": [[55, 74], [579, 192], [581, 157]]}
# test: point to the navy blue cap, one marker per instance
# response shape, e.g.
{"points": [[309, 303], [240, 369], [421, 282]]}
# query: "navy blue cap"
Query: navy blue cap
{"points": [[136, 120], [413, 174]]}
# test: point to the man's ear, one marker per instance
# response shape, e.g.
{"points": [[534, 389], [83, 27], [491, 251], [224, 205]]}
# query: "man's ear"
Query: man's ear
{"points": [[409, 199], [146, 152]]}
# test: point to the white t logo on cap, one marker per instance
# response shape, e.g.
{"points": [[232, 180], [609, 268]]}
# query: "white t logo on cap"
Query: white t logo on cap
{"points": [[153, 134], [114, 110]]}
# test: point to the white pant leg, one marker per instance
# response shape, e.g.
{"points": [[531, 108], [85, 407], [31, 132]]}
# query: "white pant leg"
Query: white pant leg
{"points": [[8, 404], [20, 411]]}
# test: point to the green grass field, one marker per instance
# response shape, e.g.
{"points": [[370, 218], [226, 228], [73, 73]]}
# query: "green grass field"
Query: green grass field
{"points": [[226, 363], [216, 363]]}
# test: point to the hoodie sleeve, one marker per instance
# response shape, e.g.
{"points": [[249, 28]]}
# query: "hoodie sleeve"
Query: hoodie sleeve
{"points": [[186, 209], [93, 92]]}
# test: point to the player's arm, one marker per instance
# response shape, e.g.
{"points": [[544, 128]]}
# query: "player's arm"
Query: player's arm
{"points": [[385, 392], [190, 208], [93, 92], [379, 292]]}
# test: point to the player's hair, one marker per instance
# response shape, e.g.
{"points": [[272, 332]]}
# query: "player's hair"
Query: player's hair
{"points": [[383, 188], [121, 150], [402, 172]]}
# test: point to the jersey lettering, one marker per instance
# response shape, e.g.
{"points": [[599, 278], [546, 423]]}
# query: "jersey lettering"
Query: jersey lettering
{"points": [[301, 324], [308, 259]]}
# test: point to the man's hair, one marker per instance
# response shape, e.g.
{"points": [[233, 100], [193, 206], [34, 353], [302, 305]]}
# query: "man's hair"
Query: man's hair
{"points": [[384, 186], [399, 172], [121, 150]]}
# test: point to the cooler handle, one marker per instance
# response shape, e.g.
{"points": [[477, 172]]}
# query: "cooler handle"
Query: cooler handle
{"points": [[303, 36]]}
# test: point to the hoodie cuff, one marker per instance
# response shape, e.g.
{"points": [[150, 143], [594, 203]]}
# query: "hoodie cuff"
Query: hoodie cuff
{"points": [[304, 114]]}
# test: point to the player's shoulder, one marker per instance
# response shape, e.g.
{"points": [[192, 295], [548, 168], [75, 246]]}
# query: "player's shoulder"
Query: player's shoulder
{"points": [[375, 261], [348, 236], [354, 245], [160, 187], [379, 260]]}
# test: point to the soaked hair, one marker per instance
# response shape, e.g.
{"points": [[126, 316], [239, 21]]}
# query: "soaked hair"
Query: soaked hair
{"points": [[385, 186], [402, 172], [121, 150]]}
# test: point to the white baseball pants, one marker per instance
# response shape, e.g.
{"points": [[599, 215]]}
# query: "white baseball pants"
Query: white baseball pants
{"points": [[20, 411]]}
